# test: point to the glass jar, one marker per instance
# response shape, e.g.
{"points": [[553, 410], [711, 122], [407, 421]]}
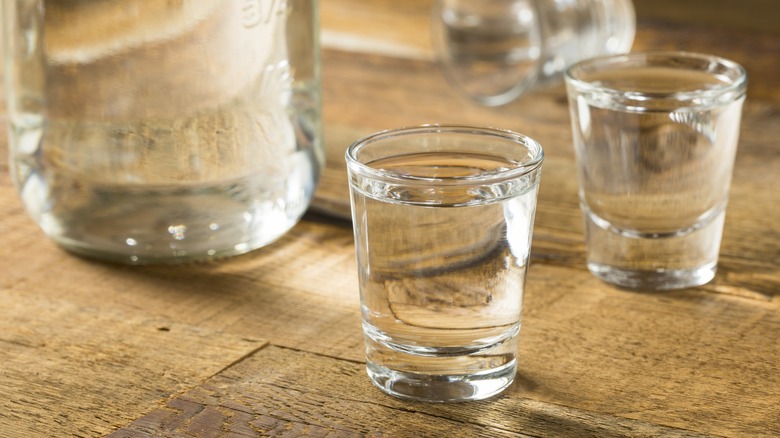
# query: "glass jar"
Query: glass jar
{"points": [[149, 131]]}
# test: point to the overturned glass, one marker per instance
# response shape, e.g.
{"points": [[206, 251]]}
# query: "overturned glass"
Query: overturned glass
{"points": [[493, 51]]}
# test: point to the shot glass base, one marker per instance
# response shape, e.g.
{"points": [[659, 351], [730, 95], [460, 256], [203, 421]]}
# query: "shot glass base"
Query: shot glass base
{"points": [[442, 388], [687, 258], [660, 279]]}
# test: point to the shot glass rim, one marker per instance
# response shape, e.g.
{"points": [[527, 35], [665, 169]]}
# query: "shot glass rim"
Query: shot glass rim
{"points": [[735, 88], [354, 165]]}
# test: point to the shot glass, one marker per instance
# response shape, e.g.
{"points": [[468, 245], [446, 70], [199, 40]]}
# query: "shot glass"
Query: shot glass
{"points": [[443, 217], [655, 136]]}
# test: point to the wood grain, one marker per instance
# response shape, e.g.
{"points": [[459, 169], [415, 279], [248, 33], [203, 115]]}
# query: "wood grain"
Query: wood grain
{"points": [[270, 343], [391, 28], [594, 360], [84, 371], [326, 397], [293, 291], [745, 15]]}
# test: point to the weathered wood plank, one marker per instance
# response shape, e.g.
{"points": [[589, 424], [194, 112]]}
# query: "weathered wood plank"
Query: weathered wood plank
{"points": [[282, 392], [746, 14], [84, 347], [691, 359], [301, 291], [73, 370], [392, 28], [584, 346]]}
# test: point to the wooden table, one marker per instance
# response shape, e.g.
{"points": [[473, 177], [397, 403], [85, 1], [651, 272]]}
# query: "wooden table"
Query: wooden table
{"points": [[270, 343]]}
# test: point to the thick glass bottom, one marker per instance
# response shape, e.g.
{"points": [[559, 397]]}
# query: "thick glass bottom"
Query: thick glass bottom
{"points": [[442, 388], [680, 260], [660, 279], [172, 229]]}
